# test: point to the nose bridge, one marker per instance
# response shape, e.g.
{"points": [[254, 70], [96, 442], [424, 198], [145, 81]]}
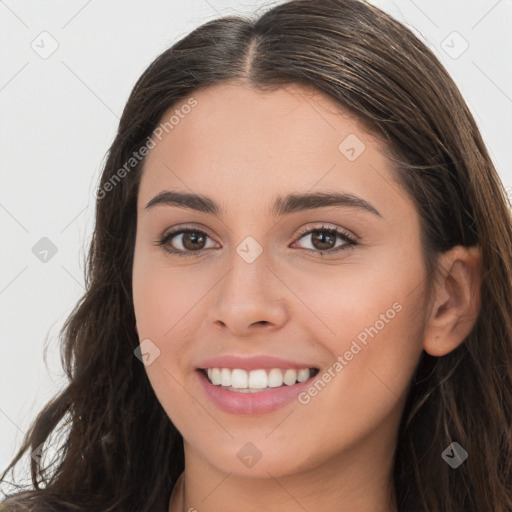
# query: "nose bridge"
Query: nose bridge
{"points": [[248, 277], [248, 293]]}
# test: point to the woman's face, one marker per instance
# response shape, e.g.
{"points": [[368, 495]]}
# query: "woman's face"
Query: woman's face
{"points": [[253, 279]]}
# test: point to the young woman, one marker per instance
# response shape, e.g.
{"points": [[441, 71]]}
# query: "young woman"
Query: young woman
{"points": [[299, 285]]}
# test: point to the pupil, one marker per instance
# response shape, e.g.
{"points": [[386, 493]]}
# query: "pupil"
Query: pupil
{"points": [[319, 238], [193, 238]]}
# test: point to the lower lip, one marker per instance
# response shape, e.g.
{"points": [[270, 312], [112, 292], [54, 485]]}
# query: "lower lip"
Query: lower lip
{"points": [[261, 402]]}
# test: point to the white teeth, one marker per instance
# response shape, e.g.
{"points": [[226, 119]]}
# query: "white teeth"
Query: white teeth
{"points": [[239, 379], [303, 375], [225, 375], [257, 379], [290, 377], [216, 377], [242, 380], [275, 378]]}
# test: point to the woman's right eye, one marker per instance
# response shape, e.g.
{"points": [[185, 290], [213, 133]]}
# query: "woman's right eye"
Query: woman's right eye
{"points": [[191, 240]]}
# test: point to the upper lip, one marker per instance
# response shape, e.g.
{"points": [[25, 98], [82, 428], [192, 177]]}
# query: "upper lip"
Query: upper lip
{"points": [[251, 363]]}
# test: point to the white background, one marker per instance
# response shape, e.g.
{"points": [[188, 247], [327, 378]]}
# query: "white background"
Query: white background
{"points": [[59, 115]]}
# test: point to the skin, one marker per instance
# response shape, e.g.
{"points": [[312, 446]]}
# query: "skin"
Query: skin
{"points": [[242, 147]]}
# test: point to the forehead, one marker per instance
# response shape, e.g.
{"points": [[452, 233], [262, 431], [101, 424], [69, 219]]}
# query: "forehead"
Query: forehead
{"points": [[235, 114], [254, 143]]}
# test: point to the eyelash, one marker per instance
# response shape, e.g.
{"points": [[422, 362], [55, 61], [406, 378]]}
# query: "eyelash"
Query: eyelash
{"points": [[163, 241]]}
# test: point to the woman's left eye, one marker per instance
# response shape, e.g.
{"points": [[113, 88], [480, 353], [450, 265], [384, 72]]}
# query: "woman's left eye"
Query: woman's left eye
{"points": [[325, 236], [193, 241]]}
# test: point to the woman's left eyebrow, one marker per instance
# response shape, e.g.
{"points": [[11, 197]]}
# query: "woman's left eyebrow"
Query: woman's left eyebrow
{"points": [[282, 205]]}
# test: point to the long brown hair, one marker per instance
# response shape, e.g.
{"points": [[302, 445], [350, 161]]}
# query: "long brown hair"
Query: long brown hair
{"points": [[118, 450]]}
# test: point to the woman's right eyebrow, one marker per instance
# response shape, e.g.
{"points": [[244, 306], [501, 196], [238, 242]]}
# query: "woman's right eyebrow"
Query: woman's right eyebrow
{"points": [[282, 205]]}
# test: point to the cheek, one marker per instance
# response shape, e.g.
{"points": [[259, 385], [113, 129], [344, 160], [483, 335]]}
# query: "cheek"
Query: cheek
{"points": [[154, 302], [363, 389], [162, 297], [371, 326], [343, 304], [164, 303]]}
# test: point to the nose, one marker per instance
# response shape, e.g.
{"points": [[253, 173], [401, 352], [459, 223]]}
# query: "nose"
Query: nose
{"points": [[249, 298]]}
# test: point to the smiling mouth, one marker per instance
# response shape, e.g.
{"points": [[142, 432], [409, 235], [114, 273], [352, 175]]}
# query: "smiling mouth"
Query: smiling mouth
{"points": [[258, 380]]}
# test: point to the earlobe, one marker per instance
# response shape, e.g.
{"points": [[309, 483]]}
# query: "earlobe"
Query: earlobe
{"points": [[456, 302]]}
